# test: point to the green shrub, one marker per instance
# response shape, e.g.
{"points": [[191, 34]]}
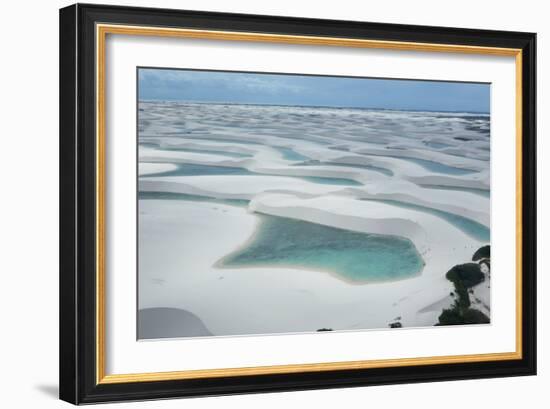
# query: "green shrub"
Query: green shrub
{"points": [[468, 274], [472, 316], [450, 317], [482, 252], [454, 316], [464, 277], [463, 301]]}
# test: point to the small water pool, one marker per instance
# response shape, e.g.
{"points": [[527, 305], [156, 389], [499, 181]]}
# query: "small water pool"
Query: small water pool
{"points": [[480, 192], [290, 154], [378, 169], [189, 169], [472, 228], [190, 198], [209, 151], [434, 166]]}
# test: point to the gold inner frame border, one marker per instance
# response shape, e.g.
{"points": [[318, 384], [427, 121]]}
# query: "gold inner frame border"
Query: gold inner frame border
{"points": [[102, 30]]}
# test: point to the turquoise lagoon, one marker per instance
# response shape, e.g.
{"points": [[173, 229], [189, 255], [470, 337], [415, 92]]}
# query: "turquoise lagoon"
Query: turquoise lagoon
{"points": [[331, 181], [290, 243], [432, 166], [290, 154], [352, 256], [479, 192], [189, 169], [472, 228], [192, 150], [378, 169], [190, 198], [210, 151]]}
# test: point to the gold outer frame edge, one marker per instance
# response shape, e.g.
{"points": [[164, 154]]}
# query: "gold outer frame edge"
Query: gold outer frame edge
{"points": [[285, 369], [519, 203], [101, 32], [100, 204]]}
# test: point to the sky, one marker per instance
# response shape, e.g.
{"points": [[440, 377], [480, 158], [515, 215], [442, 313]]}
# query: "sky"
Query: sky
{"points": [[277, 89]]}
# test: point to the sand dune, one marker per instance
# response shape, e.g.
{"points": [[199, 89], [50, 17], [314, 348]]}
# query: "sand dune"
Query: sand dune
{"points": [[374, 172]]}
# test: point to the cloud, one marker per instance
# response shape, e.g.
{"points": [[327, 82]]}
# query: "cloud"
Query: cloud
{"points": [[237, 82], [281, 89], [272, 85]]}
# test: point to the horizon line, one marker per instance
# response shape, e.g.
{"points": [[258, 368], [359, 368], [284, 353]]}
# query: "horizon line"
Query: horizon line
{"points": [[312, 106]]}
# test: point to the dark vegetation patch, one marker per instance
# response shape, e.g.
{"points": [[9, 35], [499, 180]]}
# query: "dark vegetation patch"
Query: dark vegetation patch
{"points": [[464, 277], [481, 253]]}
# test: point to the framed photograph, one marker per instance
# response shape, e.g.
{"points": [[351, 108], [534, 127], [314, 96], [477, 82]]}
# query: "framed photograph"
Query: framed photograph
{"points": [[257, 203]]}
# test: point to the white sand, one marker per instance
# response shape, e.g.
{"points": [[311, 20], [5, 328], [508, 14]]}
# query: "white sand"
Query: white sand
{"points": [[180, 241], [145, 168]]}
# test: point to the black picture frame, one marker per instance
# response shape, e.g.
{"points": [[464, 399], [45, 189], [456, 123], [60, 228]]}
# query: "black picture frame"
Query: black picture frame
{"points": [[78, 301]]}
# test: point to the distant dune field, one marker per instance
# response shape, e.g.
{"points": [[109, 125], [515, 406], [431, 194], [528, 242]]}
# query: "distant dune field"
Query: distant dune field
{"points": [[269, 219]]}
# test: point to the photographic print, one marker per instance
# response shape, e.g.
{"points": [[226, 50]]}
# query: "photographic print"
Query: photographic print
{"points": [[285, 203], [255, 204]]}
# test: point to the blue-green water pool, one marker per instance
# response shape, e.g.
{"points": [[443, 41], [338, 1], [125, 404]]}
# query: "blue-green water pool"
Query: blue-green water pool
{"points": [[434, 166], [214, 151], [210, 151], [472, 228], [331, 181], [290, 154], [378, 169], [352, 256], [437, 145], [479, 192], [189, 169], [190, 198]]}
